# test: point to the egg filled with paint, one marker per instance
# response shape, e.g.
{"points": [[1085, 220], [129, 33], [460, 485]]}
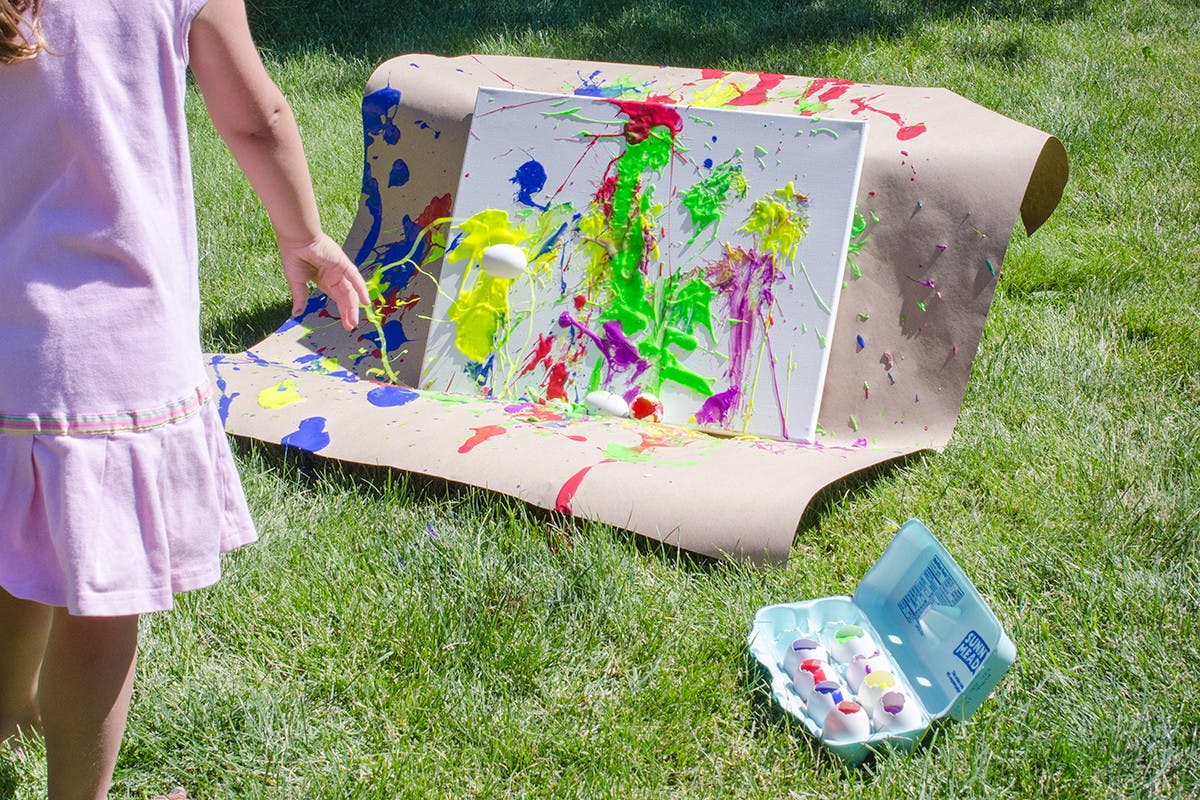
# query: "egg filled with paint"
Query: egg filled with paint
{"points": [[799, 651], [647, 407], [874, 686], [850, 642], [896, 712], [861, 666], [846, 722], [811, 672], [504, 261], [825, 696]]}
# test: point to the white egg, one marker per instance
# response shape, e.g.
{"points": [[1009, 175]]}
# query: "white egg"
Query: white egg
{"points": [[861, 666], [504, 261], [851, 641], [799, 651], [875, 686], [809, 673], [825, 696], [602, 402], [846, 722], [895, 712]]}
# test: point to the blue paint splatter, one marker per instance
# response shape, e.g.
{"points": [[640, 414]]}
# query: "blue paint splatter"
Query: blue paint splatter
{"points": [[378, 114], [310, 436], [530, 179], [315, 303], [708, 162], [391, 396], [591, 86], [225, 400], [399, 174], [393, 334]]}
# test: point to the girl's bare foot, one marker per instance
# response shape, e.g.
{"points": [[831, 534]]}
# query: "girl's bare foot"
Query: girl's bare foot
{"points": [[177, 793]]}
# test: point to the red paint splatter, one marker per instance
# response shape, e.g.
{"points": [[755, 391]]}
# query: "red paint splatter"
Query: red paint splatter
{"points": [[905, 133], [712, 74], [757, 94], [481, 435], [543, 414], [540, 354], [837, 88], [644, 117], [556, 388], [580, 302], [562, 503], [437, 208]]}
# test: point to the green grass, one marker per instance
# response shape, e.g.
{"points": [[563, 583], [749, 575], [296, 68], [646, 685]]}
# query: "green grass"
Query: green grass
{"points": [[393, 636]]}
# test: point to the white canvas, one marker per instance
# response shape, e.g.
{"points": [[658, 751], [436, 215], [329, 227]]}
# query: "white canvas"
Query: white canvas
{"points": [[649, 252]]}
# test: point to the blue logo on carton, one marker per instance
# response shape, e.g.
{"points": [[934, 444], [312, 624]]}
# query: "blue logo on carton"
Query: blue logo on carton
{"points": [[972, 651]]}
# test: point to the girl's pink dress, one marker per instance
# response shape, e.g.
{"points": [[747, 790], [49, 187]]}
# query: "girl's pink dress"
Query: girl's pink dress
{"points": [[117, 486]]}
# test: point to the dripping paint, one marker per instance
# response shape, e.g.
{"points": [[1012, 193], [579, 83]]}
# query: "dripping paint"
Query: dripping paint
{"points": [[666, 256]]}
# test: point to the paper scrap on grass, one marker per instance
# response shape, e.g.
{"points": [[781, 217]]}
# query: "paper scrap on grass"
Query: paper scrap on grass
{"points": [[942, 183]]}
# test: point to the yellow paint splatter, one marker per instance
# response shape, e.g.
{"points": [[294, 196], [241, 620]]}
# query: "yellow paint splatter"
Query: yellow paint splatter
{"points": [[282, 394], [719, 94]]}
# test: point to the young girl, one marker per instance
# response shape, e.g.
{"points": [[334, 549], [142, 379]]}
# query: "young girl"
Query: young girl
{"points": [[117, 486]]}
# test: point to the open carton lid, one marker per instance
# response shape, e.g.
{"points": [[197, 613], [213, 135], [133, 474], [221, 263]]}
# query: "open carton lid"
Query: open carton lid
{"points": [[937, 628]]}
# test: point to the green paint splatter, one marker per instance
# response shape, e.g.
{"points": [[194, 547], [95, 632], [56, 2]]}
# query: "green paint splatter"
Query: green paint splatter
{"points": [[708, 198]]}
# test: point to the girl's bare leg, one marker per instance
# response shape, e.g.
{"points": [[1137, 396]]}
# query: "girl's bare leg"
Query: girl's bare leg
{"points": [[24, 628], [83, 694]]}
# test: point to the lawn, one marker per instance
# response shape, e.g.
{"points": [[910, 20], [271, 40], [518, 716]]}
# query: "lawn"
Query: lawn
{"points": [[395, 636]]}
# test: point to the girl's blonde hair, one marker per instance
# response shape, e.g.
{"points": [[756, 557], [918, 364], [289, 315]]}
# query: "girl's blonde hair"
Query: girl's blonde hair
{"points": [[20, 37]]}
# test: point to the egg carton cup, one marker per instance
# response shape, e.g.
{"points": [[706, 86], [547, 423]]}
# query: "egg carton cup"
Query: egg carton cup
{"points": [[863, 674]]}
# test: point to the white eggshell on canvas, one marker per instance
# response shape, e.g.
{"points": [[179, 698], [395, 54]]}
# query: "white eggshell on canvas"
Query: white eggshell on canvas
{"points": [[504, 261]]}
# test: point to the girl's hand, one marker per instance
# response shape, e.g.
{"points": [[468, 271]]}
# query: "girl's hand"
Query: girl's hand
{"points": [[323, 263]]}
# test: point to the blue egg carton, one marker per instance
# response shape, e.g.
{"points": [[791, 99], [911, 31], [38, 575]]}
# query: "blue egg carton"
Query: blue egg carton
{"points": [[939, 651]]}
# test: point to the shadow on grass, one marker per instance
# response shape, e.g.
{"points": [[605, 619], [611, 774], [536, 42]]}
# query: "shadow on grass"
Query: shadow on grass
{"points": [[8, 776], [235, 330], [559, 530], [677, 32]]}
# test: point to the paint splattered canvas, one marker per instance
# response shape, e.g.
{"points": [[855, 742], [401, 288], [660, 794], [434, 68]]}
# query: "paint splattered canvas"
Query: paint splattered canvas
{"points": [[676, 262]]}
